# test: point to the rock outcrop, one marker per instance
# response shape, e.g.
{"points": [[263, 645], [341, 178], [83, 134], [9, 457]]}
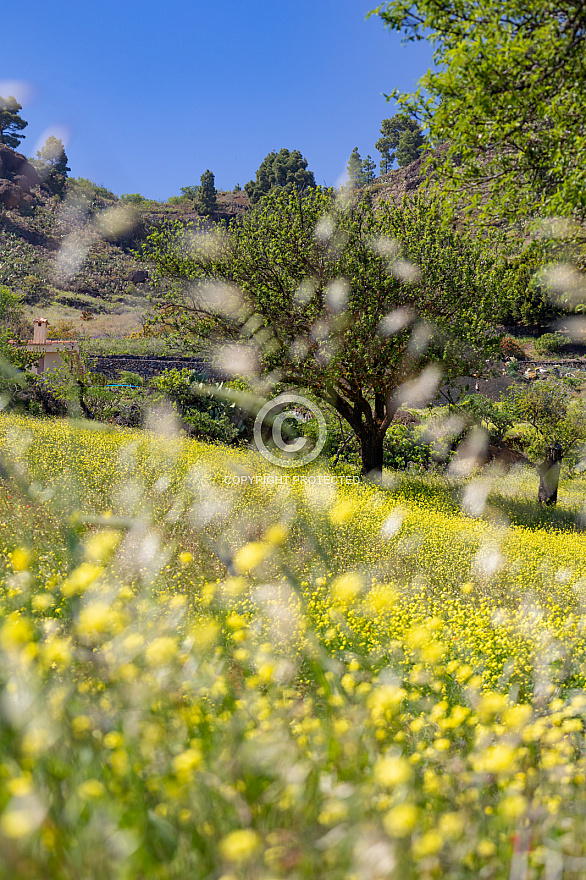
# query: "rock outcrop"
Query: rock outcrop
{"points": [[17, 177]]}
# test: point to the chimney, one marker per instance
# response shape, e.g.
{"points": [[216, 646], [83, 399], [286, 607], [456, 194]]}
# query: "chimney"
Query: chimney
{"points": [[40, 330]]}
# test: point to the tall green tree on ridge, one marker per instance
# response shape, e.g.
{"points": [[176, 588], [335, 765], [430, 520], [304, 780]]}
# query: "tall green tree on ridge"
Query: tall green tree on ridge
{"points": [[206, 196], [360, 171], [10, 122], [354, 168], [399, 133], [368, 171], [507, 97], [51, 163], [323, 297], [286, 170]]}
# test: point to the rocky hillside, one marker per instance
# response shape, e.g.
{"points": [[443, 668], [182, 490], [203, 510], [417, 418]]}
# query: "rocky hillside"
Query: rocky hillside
{"points": [[73, 258]]}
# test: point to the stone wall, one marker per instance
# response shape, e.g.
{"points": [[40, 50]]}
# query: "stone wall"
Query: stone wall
{"points": [[145, 365]]}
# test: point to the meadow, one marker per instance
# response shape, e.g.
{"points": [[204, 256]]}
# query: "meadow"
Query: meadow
{"points": [[208, 671]]}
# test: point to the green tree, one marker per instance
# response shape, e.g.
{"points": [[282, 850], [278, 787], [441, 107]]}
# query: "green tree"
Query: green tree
{"points": [[134, 199], [558, 420], [354, 168], [206, 198], [323, 297], [13, 325], [10, 122], [409, 148], [51, 163], [506, 96], [394, 130], [283, 170], [368, 171], [190, 192]]}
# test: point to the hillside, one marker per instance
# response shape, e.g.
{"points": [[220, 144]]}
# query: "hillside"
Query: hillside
{"points": [[72, 259]]}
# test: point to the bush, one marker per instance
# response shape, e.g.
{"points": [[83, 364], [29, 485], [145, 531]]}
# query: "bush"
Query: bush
{"points": [[204, 413], [484, 412], [137, 199], [127, 377], [404, 448], [82, 186], [511, 348], [549, 343]]}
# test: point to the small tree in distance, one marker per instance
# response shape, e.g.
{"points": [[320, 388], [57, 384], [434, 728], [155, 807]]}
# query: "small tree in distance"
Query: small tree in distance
{"points": [[401, 140], [368, 171], [280, 171], [206, 200], [409, 148], [10, 122], [354, 168], [51, 163], [558, 420]]}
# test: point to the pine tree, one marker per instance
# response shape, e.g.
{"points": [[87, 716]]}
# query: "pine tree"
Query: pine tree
{"points": [[51, 163], [206, 198], [286, 170], [392, 131], [368, 171], [354, 168], [409, 148], [10, 122], [385, 164]]}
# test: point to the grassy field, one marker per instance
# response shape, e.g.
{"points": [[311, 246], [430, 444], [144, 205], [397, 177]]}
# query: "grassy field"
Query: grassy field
{"points": [[213, 670]]}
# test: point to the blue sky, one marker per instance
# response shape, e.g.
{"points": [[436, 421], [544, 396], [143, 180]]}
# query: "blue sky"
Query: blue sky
{"points": [[147, 96]]}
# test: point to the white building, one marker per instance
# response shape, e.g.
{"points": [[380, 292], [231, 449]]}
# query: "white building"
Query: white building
{"points": [[53, 353]]}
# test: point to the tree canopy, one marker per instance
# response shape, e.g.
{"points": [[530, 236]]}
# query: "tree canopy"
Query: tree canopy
{"points": [[206, 197], [360, 172], [283, 170], [10, 122], [323, 296], [51, 163], [402, 140], [354, 168], [506, 96]]}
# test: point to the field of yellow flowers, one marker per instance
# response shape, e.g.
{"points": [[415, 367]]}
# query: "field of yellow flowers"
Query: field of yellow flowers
{"points": [[210, 671]]}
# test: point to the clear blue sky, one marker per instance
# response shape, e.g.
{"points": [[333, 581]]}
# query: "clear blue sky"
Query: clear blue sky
{"points": [[150, 95]]}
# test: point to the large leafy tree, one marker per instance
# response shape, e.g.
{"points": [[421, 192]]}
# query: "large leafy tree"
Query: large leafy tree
{"points": [[324, 295], [402, 140], [507, 95], [51, 163], [10, 122], [286, 170]]}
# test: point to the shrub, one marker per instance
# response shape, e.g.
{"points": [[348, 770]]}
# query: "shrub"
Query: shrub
{"points": [[484, 412], [511, 348], [127, 377], [405, 449], [205, 414], [549, 343]]}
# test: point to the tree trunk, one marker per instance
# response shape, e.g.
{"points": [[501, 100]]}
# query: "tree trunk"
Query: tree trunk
{"points": [[549, 475], [371, 451]]}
